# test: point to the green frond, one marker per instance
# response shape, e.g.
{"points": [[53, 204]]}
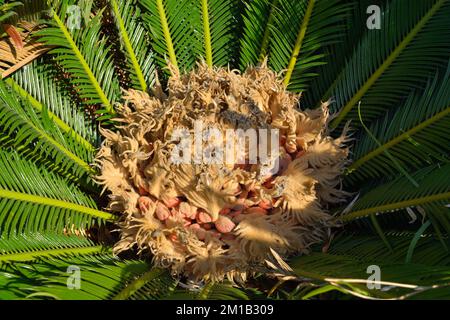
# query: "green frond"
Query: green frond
{"points": [[84, 54], [345, 267], [133, 38], [183, 32], [223, 20], [207, 33], [257, 19], [37, 83], [33, 246], [101, 277], [218, 291], [222, 291], [161, 18], [33, 199], [337, 54], [7, 10], [379, 75], [400, 194], [31, 10], [153, 284], [412, 134], [298, 32], [37, 132]]}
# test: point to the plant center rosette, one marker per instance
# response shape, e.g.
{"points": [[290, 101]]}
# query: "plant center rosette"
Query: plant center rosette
{"points": [[213, 219]]}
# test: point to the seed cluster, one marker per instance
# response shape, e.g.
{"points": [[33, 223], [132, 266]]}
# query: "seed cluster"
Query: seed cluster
{"points": [[210, 221]]}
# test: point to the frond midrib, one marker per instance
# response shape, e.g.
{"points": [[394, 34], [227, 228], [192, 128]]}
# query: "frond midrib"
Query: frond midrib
{"points": [[60, 123], [128, 46], [266, 37], [404, 136], [83, 62], [138, 283], [386, 64], [299, 42], [33, 255], [14, 195], [207, 33], [395, 206], [166, 32]]}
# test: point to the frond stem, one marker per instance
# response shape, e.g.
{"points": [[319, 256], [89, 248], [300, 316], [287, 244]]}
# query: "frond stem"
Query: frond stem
{"points": [[299, 42], [395, 206], [166, 31], [83, 63], [128, 46], [386, 64], [54, 203]]}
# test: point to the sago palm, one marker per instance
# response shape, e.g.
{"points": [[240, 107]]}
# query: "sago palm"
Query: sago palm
{"points": [[84, 191]]}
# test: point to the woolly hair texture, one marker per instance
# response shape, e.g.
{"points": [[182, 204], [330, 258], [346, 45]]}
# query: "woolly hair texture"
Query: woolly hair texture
{"points": [[220, 220]]}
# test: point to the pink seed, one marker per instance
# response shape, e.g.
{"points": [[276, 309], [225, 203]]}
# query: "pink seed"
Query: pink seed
{"points": [[144, 204], [203, 217], [195, 226], [224, 224], [162, 212], [187, 210], [172, 203]]}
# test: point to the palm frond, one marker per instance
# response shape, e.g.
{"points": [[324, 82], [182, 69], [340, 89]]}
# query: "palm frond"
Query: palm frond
{"points": [[133, 37], [412, 36], [413, 134], [400, 194], [33, 246], [220, 20], [37, 83], [39, 135], [101, 277], [257, 19], [337, 54], [171, 35], [33, 200], [153, 284], [8, 10], [84, 55], [298, 32], [346, 267], [186, 31]]}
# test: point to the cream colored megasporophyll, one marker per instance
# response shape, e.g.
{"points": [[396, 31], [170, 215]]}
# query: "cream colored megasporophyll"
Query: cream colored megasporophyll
{"points": [[212, 221]]}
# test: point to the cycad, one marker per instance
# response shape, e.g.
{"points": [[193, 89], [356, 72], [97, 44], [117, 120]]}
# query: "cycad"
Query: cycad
{"points": [[392, 83]]}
